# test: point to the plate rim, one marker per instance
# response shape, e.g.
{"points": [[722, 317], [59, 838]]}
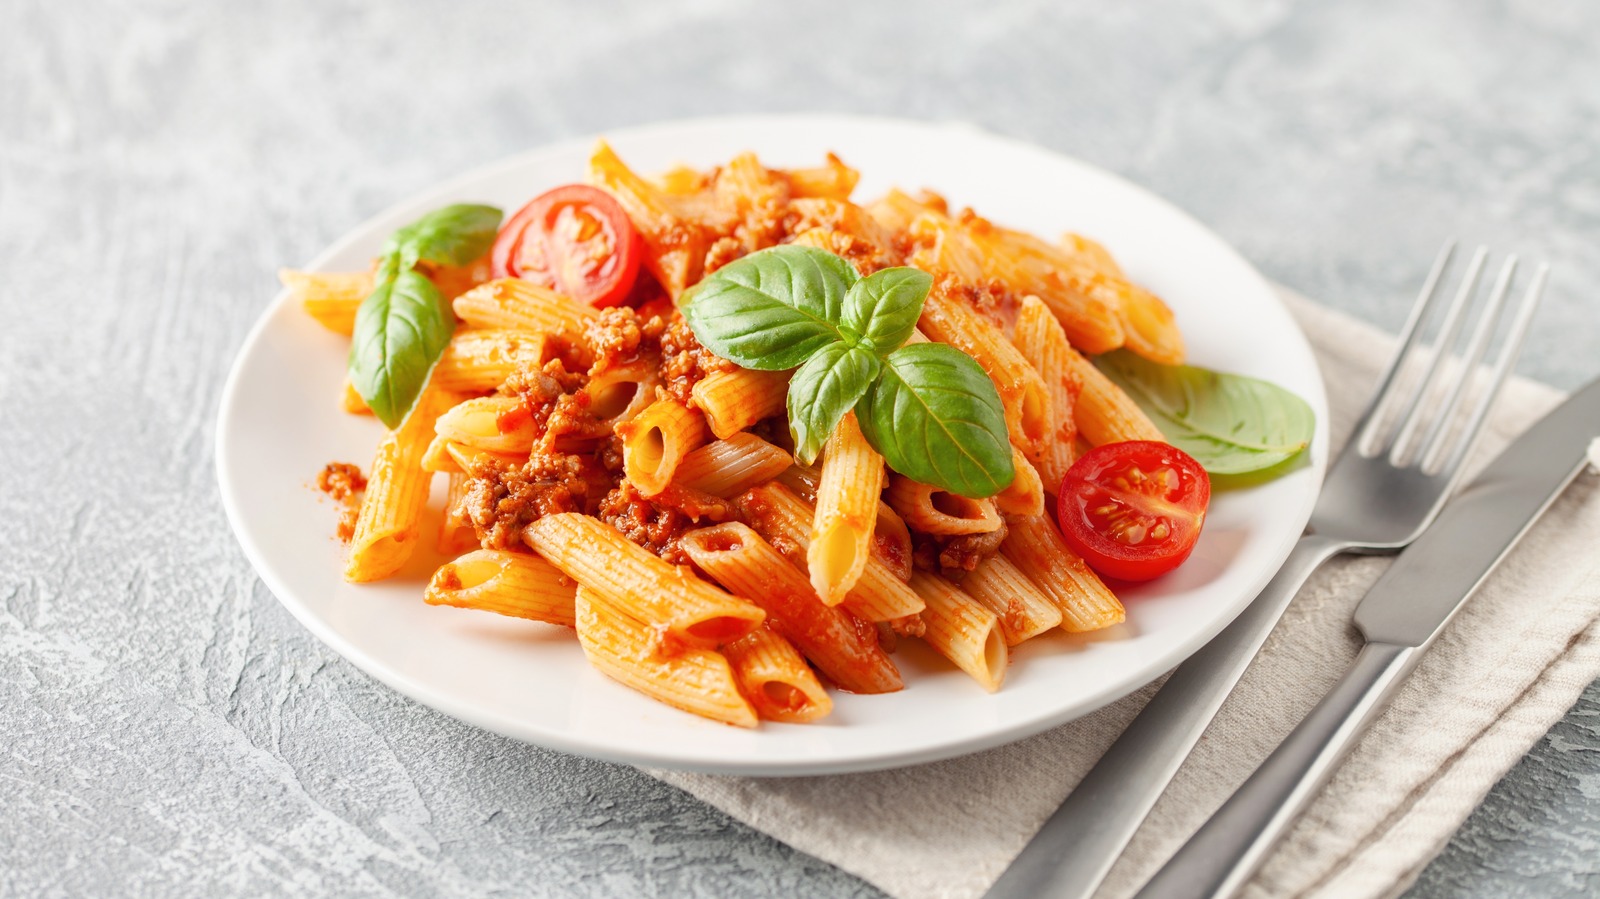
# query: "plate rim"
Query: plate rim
{"points": [[641, 754]]}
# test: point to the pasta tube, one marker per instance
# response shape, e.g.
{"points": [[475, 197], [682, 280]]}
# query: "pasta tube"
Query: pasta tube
{"points": [[1042, 342], [654, 443], [735, 400], [1024, 610], [699, 681], [773, 676], [727, 468], [523, 305], [331, 298], [1026, 401], [785, 521], [962, 630], [478, 361], [520, 585], [847, 505], [641, 584], [737, 558], [1025, 494], [497, 424], [1035, 547], [930, 510], [387, 530]]}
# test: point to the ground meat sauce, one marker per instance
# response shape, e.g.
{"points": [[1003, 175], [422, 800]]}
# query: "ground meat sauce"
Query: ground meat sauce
{"points": [[953, 555], [343, 483], [659, 522], [500, 500], [684, 361]]}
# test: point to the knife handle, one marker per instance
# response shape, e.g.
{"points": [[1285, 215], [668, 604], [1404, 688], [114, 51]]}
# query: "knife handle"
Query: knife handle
{"points": [[1073, 851], [1223, 854]]}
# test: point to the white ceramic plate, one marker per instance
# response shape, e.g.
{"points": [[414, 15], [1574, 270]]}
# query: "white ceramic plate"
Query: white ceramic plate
{"points": [[280, 423]]}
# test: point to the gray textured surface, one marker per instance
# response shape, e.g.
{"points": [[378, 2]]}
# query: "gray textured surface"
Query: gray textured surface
{"points": [[169, 729]]}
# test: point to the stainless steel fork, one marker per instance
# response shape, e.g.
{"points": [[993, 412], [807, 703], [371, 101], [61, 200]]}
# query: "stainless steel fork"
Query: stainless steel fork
{"points": [[1403, 459]]}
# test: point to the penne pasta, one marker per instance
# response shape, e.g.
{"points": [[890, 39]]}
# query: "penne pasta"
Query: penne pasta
{"points": [[891, 539], [676, 246], [331, 298], [456, 533], [842, 647], [520, 585], [1025, 494], [847, 503], [1091, 253], [523, 305], [949, 319], [652, 591], [695, 680], [775, 679], [479, 361], [1035, 547], [1087, 303], [437, 458], [933, 511], [962, 630], [387, 530], [833, 180], [1104, 413], [351, 400], [1024, 610], [735, 400], [785, 521], [1043, 343], [654, 443], [620, 393], [496, 424], [727, 468]]}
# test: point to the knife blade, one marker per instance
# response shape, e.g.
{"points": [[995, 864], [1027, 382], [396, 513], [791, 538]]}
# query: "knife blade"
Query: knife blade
{"points": [[1419, 594], [1403, 612]]}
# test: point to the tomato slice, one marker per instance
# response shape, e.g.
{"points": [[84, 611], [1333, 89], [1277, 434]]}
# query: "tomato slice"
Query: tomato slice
{"points": [[1133, 510], [575, 240]]}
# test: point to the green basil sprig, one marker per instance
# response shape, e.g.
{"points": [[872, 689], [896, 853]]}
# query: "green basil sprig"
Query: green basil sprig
{"points": [[1229, 423], [403, 326], [928, 408]]}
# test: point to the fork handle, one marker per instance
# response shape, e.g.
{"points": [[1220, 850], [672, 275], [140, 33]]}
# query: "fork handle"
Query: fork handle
{"points": [[1072, 853], [1223, 854]]}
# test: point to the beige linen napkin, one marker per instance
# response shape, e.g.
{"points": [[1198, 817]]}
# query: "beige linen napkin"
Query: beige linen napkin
{"points": [[1506, 669]]}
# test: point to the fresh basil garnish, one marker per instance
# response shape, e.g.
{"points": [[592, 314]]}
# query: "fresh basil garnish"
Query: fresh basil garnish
{"points": [[822, 390], [771, 310], [882, 308], [937, 413], [451, 235], [403, 326], [1230, 424], [401, 329], [929, 409]]}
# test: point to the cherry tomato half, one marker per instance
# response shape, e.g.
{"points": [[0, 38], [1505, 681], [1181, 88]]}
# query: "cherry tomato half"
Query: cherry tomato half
{"points": [[1133, 510], [575, 240]]}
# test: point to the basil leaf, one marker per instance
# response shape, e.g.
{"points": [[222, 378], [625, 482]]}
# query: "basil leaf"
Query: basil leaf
{"points": [[771, 309], [882, 308], [936, 418], [823, 390], [402, 328], [451, 235], [1231, 424]]}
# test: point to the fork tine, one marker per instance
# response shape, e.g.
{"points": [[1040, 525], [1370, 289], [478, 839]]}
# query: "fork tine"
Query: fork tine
{"points": [[1367, 425], [1502, 368], [1409, 420], [1432, 444]]}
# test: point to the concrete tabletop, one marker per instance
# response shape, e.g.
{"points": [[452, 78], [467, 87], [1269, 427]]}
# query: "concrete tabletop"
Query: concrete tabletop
{"points": [[168, 729]]}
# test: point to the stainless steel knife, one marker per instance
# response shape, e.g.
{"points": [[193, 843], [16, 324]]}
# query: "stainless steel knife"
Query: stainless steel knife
{"points": [[1399, 617]]}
